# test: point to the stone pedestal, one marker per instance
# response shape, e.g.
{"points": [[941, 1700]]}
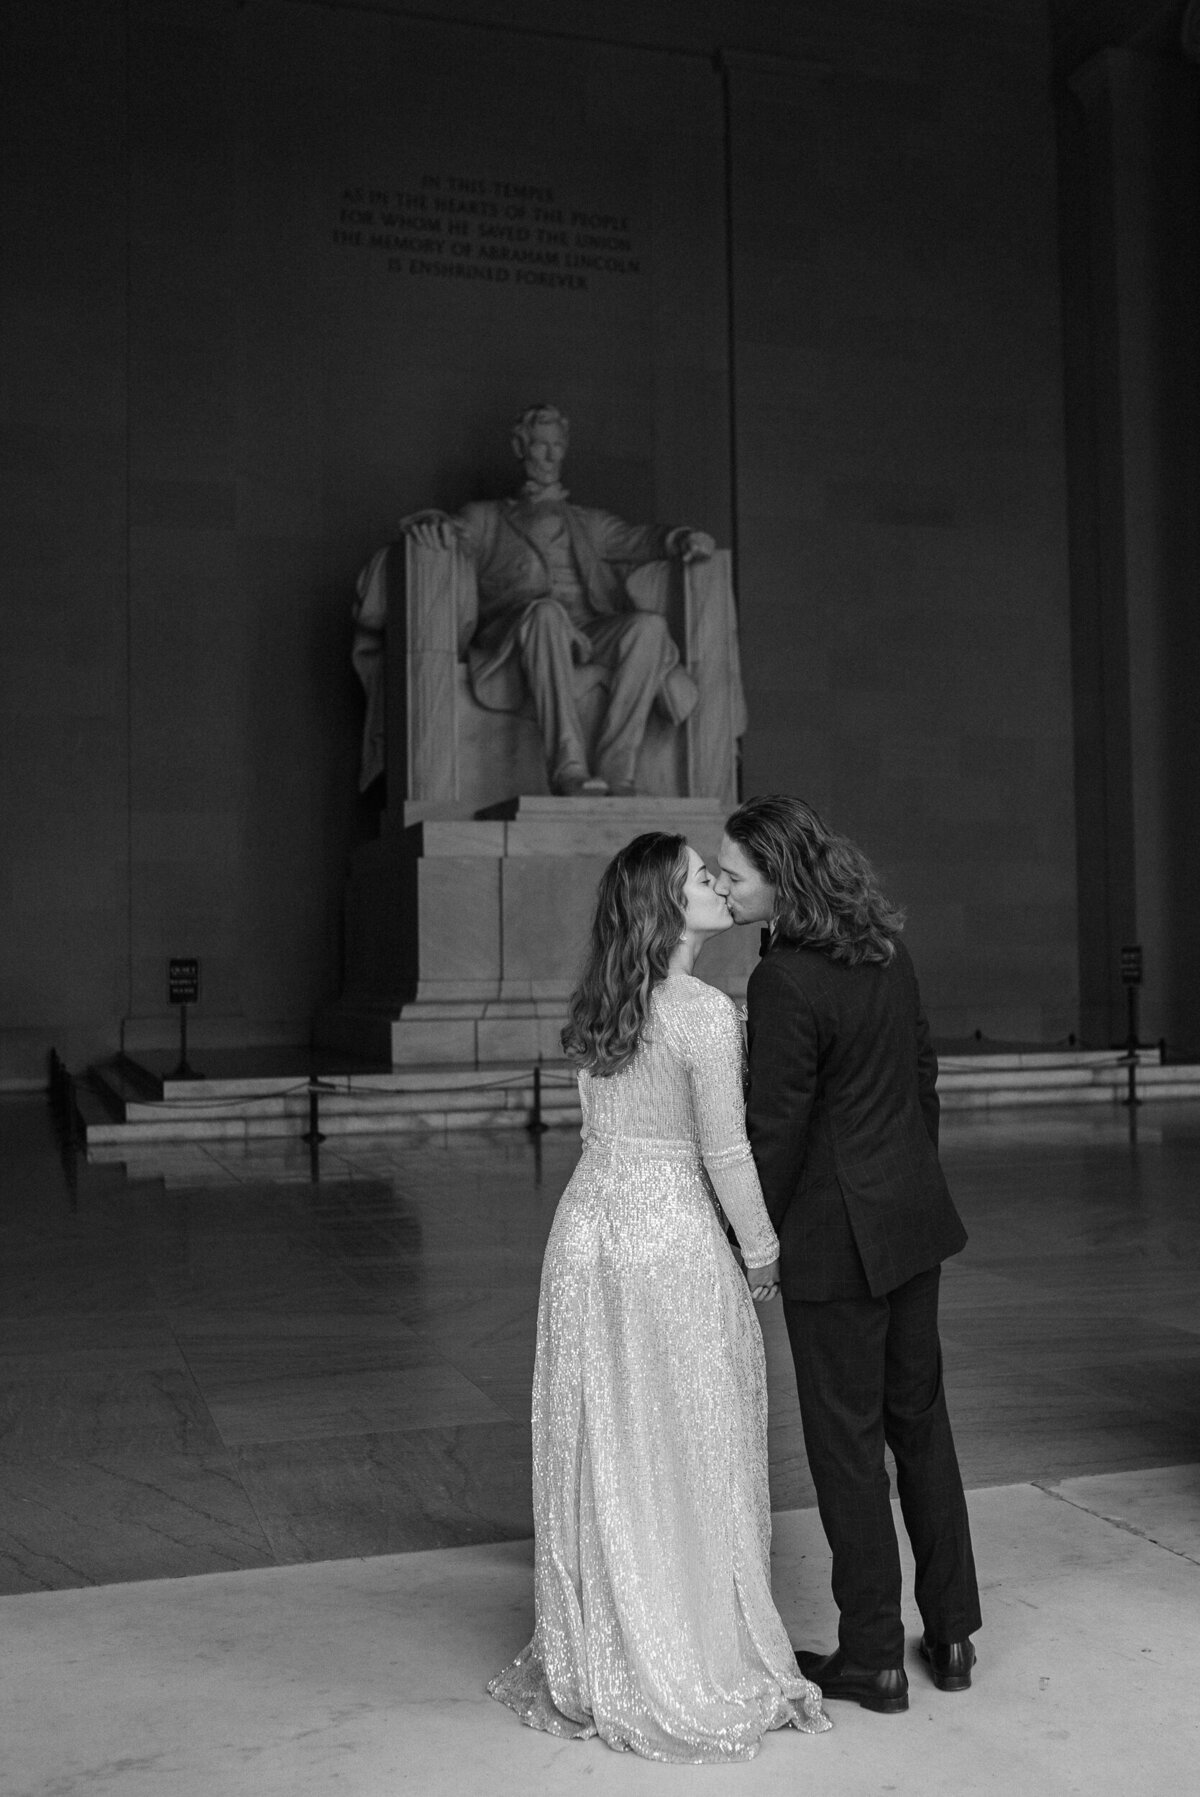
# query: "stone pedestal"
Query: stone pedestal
{"points": [[464, 937]]}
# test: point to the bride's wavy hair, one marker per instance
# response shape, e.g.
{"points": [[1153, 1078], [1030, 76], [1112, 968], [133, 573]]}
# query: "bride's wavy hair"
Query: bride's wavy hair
{"points": [[827, 893], [639, 919]]}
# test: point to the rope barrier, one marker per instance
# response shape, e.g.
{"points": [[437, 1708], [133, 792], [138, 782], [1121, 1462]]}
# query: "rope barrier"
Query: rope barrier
{"points": [[539, 1077], [535, 1077], [315, 1087], [964, 1063], [356, 1092]]}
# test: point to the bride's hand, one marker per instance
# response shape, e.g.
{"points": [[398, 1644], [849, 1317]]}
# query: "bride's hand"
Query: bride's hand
{"points": [[763, 1281]]}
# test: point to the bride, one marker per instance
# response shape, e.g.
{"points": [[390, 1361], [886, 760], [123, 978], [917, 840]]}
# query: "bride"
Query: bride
{"points": [[655, 1626]]}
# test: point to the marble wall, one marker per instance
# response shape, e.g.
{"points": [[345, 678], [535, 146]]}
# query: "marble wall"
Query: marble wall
{"points": [[64, 825], [1130, 156], [902, 550], [225, 398]]}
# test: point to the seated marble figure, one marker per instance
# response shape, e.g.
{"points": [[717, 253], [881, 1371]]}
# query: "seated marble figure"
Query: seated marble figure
{"points": [[562, 615]]}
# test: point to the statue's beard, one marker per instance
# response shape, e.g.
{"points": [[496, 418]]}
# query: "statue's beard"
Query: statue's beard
{"points": [[536, 489]]}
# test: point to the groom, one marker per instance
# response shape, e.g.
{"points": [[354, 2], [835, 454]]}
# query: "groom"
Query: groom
{"points": [[843, 1118]]}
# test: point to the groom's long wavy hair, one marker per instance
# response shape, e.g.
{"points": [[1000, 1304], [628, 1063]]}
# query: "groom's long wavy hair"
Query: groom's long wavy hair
{"points": [[637, 925], [827, 893]]}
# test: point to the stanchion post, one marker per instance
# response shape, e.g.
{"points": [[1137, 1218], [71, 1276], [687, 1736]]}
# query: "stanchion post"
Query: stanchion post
{"points": [[536, 1126], [312, 1134], [1131, 979], [1131, 1043]]}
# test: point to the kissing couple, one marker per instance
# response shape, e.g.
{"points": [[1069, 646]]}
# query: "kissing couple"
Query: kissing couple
{"points": [[655, 1623]]}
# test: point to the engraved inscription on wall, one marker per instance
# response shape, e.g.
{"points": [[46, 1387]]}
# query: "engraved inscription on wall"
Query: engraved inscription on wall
{"points": [[463, 228]]}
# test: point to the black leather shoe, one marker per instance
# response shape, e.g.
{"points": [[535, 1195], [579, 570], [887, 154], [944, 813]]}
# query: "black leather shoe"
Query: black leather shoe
{"points": [[838, 1677], [950, 1662]]}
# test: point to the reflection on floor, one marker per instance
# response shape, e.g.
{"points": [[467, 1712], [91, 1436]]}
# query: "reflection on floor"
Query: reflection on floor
{"points": [[238, 1359], [364, 1677]]}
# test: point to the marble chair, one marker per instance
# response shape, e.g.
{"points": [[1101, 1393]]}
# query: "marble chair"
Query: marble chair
{"points": [[464, 919], [446, 756]]}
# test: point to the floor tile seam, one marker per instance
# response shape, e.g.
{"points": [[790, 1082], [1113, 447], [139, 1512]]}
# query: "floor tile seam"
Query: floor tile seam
{"points": [[1115, 1522], [356, 1438], [273, 1568], [969, 1360], [1074, 1270], [485, 1396], [968, 1364], [267, 1360], [1051, 1402], [229, 1451], [975, 1486], [1166, 1403], [301, 1566], [114, 1358], [266, 1444], [996, 1249], [964, 1297]]}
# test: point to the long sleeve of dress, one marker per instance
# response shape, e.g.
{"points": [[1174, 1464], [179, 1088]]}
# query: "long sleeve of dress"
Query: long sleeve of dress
{"points": [[714, 1059]]}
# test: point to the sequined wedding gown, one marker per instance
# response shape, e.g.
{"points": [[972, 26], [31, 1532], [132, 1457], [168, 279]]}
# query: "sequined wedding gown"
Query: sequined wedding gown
{"points": [[655, 1623]]}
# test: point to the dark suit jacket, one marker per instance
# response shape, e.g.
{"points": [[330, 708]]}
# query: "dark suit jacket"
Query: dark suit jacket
{"points": [[843, 1121]]}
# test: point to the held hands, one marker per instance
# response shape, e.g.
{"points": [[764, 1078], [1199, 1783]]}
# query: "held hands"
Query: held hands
{"points": [[763, 1281]]}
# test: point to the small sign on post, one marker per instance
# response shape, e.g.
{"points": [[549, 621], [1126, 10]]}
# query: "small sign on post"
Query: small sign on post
{"points": [[1131, 979], [183, 981], [183, 989]]}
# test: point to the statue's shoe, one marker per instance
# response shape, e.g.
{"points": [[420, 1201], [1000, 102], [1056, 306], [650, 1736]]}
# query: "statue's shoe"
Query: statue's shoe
{"points": [[622, 789], [577, 783]]}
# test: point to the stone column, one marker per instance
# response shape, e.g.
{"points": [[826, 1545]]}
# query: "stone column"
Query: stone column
{"points": [[1131, 162]]}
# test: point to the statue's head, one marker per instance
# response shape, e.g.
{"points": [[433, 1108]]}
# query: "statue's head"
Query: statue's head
{"points": [[539, 439]]}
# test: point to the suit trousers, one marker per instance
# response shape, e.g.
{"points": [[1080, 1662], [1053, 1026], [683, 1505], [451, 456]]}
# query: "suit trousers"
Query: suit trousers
{"points": [[869, 1372]]}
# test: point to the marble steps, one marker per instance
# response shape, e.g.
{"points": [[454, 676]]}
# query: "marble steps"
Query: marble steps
{"points": [[135, 1104], [419, 1099], [1074, 1076]]}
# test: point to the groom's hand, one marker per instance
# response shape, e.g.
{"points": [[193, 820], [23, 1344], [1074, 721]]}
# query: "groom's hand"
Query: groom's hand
{"points": [[763, 1281]]}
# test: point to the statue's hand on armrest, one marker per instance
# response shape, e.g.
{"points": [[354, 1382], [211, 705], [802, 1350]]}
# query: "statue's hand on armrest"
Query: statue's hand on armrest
{"points": [[433, 530], [691, 545]]}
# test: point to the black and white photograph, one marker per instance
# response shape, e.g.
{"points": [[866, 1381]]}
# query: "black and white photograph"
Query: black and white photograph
{"points": [[600, 898]]}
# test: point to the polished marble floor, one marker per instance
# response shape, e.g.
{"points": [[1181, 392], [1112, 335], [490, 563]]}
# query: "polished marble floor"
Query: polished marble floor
{"points": [[223, 1359], [366, 1677]]}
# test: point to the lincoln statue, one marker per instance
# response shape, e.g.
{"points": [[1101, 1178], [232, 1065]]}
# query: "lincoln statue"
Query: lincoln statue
{"points": [[552, 594]]}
